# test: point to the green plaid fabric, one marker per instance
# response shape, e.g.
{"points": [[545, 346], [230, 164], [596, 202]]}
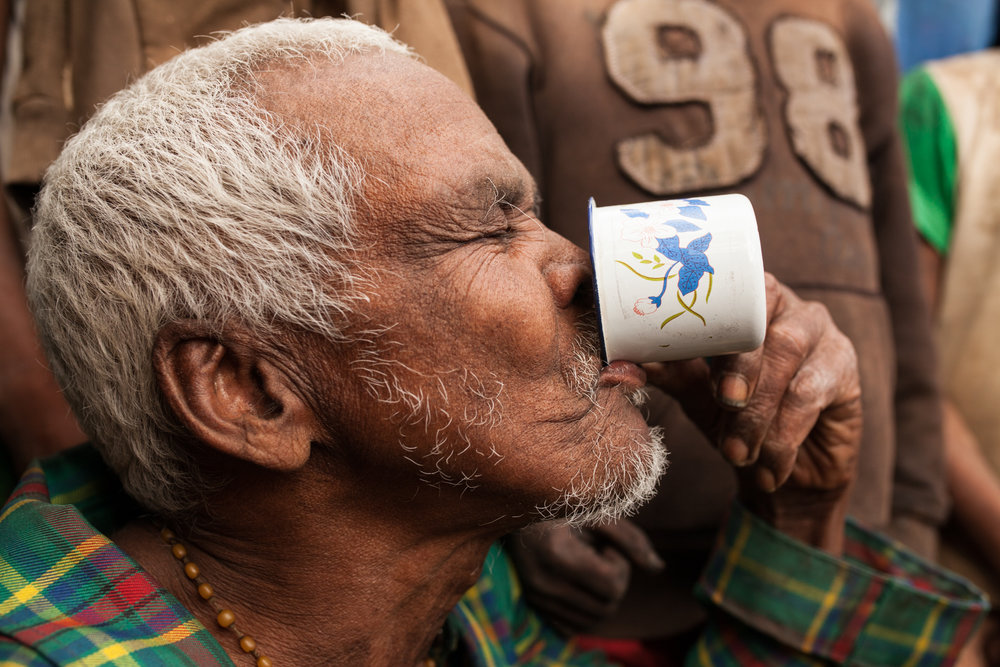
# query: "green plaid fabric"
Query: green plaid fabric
{"points": [[69, 596], [878, 605], [498, 628]]}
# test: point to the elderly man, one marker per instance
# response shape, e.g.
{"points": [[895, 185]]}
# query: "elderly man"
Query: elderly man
{"points": [[293, 288]]}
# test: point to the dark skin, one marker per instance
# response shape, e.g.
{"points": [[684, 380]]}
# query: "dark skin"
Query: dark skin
{"points": [[974, 488], [35, 420], [772, 420], [761, 409], [473, 285]]}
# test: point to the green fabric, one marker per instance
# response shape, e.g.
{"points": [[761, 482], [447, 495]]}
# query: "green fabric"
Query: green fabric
{"points": [[69, 596], [877, 605], [498, 628], [932, 154]]}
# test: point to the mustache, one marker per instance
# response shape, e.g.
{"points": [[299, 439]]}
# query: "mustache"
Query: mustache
{"points": [[583, 372]]}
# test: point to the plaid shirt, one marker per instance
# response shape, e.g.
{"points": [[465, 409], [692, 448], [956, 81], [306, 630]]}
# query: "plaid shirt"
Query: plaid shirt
{"points": [[69, 596]]}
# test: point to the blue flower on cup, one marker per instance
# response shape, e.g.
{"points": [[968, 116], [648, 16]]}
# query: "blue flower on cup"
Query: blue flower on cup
{"points": [[693, 260], [663, 236]]}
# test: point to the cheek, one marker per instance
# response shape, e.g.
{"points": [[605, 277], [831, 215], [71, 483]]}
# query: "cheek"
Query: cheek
{"points": [[516, 320], [497, 311]]}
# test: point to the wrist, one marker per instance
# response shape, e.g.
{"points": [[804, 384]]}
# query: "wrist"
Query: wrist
{"points": [[813, 517]]}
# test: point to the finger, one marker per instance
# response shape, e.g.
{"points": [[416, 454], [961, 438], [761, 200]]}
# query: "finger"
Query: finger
{"points": [[790, 346], [800, 409], [571, 604], [632, 542], [569, 627], [735, 376], [604, 574], [813, 394], [689, 383], [677, 377], [566, 598]]}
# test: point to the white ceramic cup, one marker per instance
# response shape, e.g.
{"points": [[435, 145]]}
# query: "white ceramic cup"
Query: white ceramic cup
{"points": [[678, 279]]}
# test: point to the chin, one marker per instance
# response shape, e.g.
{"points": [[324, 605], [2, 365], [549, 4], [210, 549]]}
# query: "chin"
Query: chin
{"points": [[619, 476]]}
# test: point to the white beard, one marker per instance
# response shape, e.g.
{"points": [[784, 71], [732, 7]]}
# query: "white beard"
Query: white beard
{"points": [[615, 486], [609, 491]]}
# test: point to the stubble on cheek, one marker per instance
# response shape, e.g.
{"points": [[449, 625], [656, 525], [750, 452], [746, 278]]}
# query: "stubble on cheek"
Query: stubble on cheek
{"points": [[444, 407], [581, 371], [618, 475], [443, 421]]}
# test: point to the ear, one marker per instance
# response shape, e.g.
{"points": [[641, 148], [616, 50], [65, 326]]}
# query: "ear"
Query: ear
{"points": [[230, 395]]}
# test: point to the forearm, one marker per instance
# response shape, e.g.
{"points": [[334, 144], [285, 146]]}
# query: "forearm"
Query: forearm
{"points": [[919, 484], [918, 481], [974, 486]]}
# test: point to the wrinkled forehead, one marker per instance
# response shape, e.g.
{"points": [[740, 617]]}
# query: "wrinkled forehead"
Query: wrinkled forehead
{"points": [[416, 133]]}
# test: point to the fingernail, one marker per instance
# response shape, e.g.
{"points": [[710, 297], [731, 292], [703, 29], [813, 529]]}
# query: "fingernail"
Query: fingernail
{"points": [[765, 478], [736, 451], [733, 390], [655, 562]]}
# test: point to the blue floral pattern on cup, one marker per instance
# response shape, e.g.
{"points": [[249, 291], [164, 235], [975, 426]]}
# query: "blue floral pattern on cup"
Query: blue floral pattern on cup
{"points": [[661, 235]]}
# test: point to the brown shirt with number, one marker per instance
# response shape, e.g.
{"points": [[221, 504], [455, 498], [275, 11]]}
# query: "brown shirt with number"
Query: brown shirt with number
{"points": [[791, 103]]}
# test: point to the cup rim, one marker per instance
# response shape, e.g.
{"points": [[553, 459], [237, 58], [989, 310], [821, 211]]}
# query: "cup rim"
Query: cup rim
{"points": [[591, 205]]}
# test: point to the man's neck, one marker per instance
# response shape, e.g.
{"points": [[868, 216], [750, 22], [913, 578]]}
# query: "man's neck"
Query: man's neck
{"points": [[354, 584]]}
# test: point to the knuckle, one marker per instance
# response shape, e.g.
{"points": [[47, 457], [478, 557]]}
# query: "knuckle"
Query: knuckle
{"points": [[788, 340], [817, 311], [617, 577], [848, 365], [779, 458], [849, 354], [808, 387], [771, 283]]}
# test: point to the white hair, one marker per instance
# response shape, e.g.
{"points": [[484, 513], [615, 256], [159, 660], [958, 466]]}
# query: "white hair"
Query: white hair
{"points": [[184, 198], [615, 487]]}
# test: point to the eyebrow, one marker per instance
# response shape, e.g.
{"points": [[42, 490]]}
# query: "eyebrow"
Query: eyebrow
{"points": [[510, 191], [488, 189], [514, 192]]}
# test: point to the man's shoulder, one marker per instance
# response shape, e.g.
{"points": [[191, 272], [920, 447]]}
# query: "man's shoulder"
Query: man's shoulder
{"points": [[67, 592]]}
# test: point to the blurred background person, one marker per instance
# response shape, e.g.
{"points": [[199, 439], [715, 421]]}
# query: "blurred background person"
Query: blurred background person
{"points": [[932, 29], [35, 419], [950, 114]]}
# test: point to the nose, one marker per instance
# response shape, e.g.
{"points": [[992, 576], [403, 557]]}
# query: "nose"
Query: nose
{"points": [[568, 274]]}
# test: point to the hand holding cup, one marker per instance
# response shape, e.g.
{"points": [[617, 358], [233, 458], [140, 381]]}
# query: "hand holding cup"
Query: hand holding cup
{"points": [[780, 396]]}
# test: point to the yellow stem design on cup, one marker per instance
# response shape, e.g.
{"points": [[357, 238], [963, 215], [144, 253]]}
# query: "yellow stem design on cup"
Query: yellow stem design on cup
{"points": [[688, 307], [669, 320], [651, 279]]}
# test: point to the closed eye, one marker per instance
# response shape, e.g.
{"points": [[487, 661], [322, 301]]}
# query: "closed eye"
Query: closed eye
{"points": [[506, 214]]}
